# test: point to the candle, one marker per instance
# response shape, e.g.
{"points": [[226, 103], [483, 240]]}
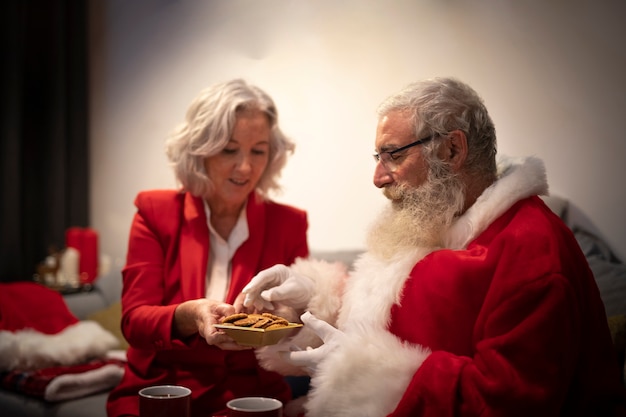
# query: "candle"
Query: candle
{"points": [[68, 273], [85, 240]]}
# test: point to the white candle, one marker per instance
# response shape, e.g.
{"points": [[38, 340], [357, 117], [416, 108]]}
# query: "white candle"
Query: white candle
{"points": [[69, 267]]}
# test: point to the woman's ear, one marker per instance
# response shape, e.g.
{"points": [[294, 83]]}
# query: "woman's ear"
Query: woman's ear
{"points": [[454, 149]]}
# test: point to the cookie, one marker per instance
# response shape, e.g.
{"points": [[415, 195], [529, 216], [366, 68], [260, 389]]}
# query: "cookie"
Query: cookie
{"points": [[262, 323], [272, 316], [276, 326], [257, 321], [234, 317], [281, 322], [246, 322]]}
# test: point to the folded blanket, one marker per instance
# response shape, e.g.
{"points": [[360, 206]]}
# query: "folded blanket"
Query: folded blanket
{"points": [[65, 382]]}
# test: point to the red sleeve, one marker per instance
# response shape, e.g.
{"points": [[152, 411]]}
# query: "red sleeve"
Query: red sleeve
{"points": [[524, 355], [148, 302]]}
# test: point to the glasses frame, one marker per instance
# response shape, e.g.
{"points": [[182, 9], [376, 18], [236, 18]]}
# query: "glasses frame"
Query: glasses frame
{"points": [[378, 156]]}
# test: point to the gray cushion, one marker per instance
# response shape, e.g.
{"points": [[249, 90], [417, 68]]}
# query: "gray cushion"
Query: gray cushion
{"points": [[17, 405]]}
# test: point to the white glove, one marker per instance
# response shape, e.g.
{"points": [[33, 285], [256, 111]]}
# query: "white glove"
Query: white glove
{"points": [[310, 358], [278, 283]]}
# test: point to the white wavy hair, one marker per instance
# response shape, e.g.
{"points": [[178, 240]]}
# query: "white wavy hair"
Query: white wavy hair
{"points": [[207, 128]]}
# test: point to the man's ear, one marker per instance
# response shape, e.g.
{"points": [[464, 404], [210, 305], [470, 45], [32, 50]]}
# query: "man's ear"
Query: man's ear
{"points": [[454, 149]]}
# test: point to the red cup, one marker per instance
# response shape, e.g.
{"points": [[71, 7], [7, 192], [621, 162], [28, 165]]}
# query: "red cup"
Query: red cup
{"points": [[165, 401], [255, 407]]}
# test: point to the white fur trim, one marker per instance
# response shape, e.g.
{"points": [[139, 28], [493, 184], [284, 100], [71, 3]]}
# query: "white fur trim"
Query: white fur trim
{"points": [[28, 349], [116, 354], [372, 360], [374, 287], [347, 383], [329, 281], [295, 408], [70, 386], [519, 178]]}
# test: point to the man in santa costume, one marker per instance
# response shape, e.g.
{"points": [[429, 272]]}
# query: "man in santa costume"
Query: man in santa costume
{"points": [[473, 298]]}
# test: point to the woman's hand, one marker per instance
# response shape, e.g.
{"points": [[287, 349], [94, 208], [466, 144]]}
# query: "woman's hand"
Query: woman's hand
{"points": [[200, 316], [241, 308]]}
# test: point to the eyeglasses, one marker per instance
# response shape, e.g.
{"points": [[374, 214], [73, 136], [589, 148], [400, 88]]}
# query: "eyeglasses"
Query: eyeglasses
{"points": [[388, 158]]}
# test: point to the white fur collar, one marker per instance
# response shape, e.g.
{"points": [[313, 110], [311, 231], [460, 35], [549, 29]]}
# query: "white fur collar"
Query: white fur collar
{"points": [[518, 178]]}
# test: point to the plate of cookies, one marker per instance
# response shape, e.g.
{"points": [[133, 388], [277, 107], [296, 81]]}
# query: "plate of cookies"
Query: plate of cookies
{"points": [[256, 330]]}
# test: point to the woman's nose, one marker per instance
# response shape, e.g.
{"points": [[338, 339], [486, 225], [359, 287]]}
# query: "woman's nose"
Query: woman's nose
{"points": [[244, 163]]}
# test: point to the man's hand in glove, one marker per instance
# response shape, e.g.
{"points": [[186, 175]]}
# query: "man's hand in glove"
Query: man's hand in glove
{"points": [[278, 283], [310, 358]]}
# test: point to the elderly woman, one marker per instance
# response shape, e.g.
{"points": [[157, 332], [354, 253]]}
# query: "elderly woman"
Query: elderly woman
{"points": [[191, 252]]}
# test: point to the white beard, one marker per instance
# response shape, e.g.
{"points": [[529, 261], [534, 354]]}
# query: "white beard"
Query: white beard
{"points": [[417, 217]]}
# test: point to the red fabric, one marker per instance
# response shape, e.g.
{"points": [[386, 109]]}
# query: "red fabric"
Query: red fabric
{"points": [[166, 265], [32, 305], [34, 383], [85, 241], [509, 337]]}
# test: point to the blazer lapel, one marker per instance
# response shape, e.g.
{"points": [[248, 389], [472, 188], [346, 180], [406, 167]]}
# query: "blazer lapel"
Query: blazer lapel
{"points": [[194, 248]]}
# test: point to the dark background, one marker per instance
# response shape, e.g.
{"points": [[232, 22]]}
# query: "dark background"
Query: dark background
{"points": [[44, 151]]}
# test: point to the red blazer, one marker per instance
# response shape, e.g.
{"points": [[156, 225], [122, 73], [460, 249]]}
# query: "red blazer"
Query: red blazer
{"points": [[166, 265]]}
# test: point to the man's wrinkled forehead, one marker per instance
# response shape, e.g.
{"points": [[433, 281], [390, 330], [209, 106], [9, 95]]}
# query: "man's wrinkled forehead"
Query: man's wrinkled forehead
{"points": [[395, 129]]}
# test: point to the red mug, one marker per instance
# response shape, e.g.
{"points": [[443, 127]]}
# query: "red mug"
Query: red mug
{"points": [[165, 401], [255, 407]]}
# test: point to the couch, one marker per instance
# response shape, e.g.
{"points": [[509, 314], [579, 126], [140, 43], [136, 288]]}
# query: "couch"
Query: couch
{"points": [[102, 305]]}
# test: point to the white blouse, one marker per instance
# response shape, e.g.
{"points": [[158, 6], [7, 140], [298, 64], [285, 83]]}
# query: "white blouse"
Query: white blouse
{"points": [[221, 253]]}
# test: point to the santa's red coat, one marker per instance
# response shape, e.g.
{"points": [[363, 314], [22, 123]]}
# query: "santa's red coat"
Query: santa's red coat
{"points": [[506, 320]]}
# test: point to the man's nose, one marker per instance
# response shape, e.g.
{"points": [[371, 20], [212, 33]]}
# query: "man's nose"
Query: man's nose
{"points": [[382, 176]]}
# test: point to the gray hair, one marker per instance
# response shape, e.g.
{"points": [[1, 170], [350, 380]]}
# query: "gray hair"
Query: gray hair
{"points": [[207, 128], [441, 105]]}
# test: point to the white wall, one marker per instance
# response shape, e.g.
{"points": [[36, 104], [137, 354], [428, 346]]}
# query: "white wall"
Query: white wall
{"points": [[551, 73]]}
